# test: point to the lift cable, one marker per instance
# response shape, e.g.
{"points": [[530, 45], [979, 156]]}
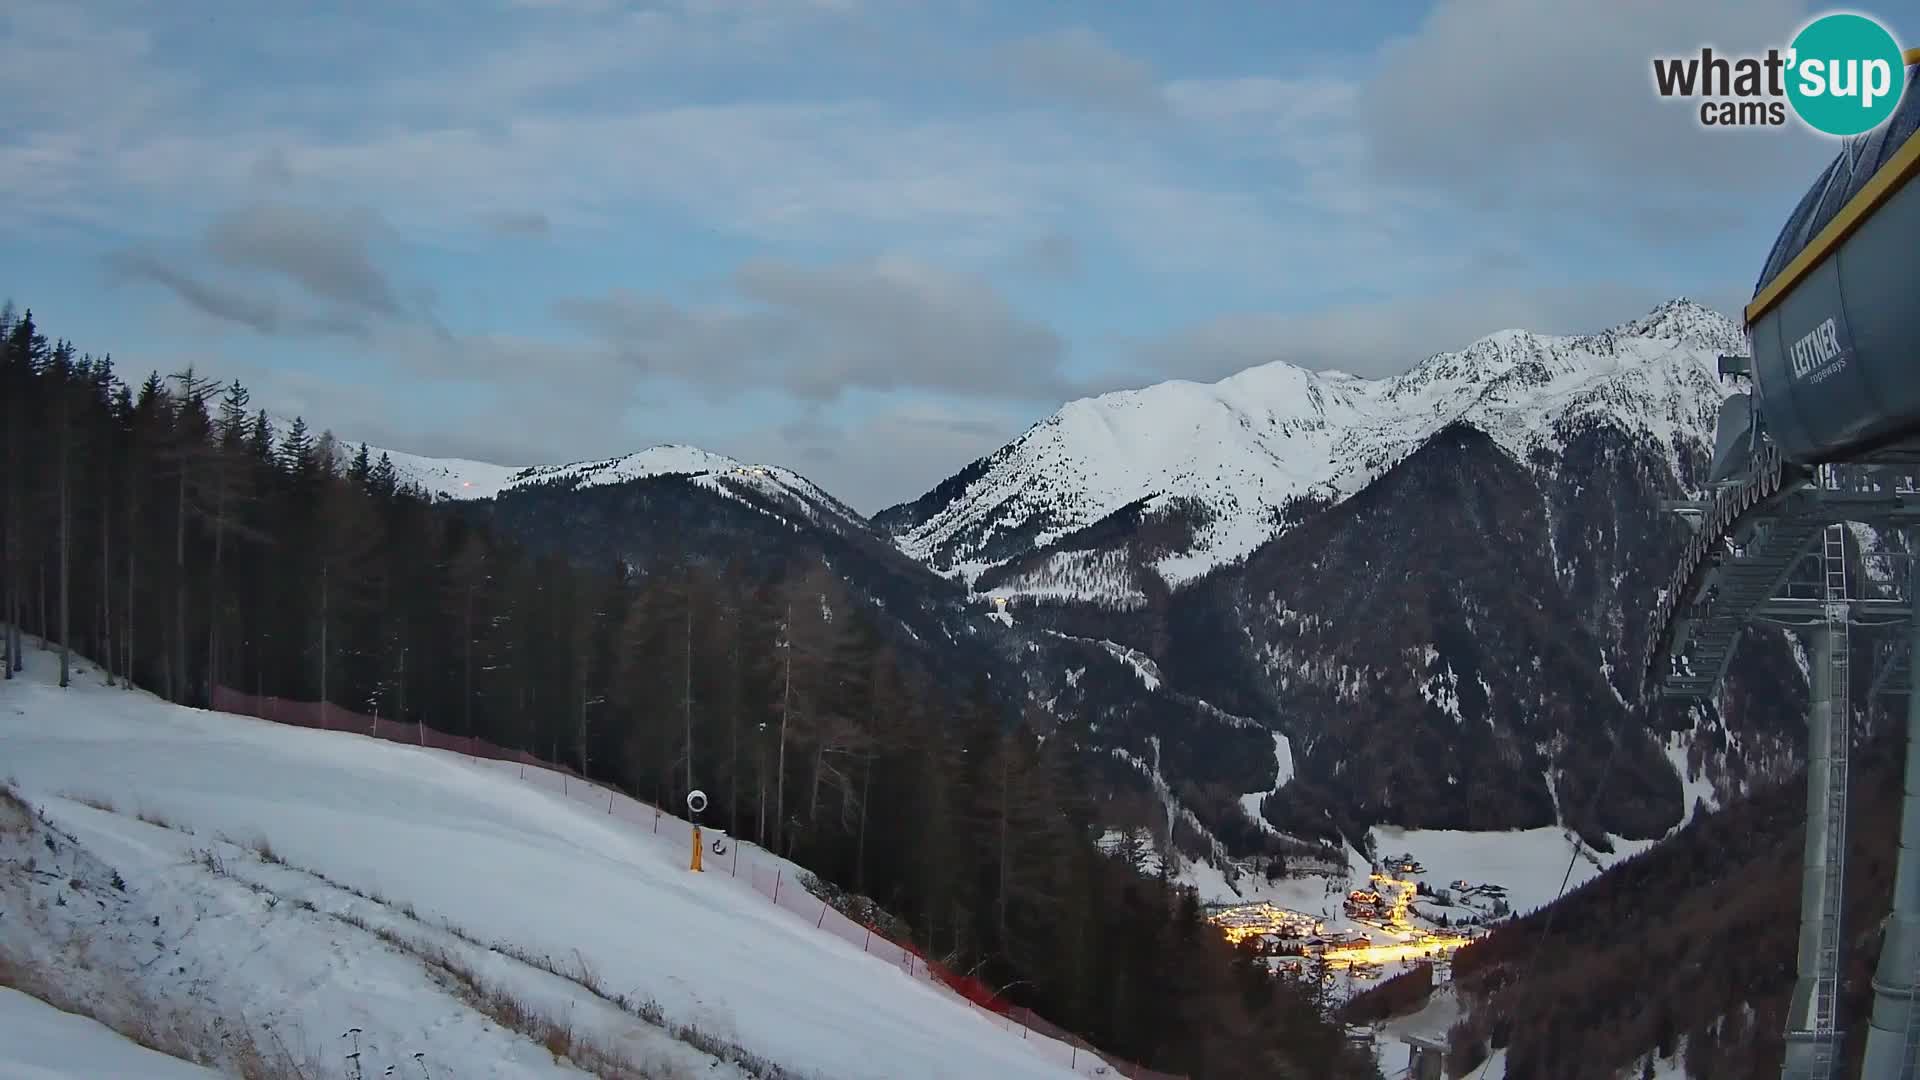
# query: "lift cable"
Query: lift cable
{"points": [[1553, 906]]}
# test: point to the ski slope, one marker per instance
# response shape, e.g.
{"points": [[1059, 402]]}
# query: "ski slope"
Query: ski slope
{"points": [[39, 1042], [448, 853]]}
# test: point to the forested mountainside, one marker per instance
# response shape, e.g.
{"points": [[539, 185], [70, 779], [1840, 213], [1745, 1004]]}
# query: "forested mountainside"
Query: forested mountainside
{"points": [[172, 531], [1684, 953], [1434, 585], [1492, 517]]}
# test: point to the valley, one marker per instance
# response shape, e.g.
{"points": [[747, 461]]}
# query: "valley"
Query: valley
{"points": [[862, 540], [1564, 446], [1345, 804]]}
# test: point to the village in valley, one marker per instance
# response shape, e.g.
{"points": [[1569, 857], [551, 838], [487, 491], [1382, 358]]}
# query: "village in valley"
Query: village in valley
{"points": [[1396, 920]]}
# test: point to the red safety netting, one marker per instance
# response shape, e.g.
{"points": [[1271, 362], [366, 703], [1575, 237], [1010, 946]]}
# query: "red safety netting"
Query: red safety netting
{"points": [[767, 874]]}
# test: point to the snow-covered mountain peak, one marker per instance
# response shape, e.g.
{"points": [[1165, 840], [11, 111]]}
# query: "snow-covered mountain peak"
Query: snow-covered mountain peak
{"points": [[666, 459], [1241, 449], [1684, 320], [458, 479]]}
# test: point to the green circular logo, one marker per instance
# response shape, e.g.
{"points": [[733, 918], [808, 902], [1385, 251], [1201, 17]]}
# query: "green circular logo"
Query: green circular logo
{"points": [[1845, 75]]}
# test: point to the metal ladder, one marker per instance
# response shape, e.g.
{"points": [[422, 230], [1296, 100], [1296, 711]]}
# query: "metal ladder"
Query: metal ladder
{"points": [[1826, 995], [1908, 1058]]}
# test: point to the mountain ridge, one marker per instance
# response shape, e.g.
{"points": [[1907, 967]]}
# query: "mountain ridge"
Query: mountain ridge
{"points": [[1262, 438], [1186, 565], [1488, 382]]}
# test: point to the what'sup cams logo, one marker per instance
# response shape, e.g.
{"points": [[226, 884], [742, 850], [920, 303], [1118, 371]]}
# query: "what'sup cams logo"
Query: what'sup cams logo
{"points": [[1842, 75]]}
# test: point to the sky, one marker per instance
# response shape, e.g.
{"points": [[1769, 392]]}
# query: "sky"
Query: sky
{"points": [[870, 240]]}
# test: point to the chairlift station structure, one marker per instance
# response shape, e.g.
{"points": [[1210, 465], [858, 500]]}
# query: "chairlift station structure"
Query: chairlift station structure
{"points": [[1830, 434]]}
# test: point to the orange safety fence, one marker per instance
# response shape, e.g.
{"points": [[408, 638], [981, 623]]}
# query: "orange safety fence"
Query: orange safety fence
{"points": [[760, 869]]}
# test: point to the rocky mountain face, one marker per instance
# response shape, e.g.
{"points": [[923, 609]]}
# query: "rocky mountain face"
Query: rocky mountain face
{"points": [[1433, 585], [1208, 473], [1430, 585]]}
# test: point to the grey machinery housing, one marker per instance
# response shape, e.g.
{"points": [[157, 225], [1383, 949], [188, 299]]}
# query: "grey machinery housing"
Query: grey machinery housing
{"points": [[1835, 319]]}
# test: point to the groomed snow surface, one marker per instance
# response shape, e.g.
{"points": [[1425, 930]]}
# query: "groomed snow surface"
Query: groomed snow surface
{"points": [[400, 879], [39, 1042]]}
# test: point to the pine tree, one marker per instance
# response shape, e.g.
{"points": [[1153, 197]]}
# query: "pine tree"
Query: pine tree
{"points": [[381, 479], [189, 455], [296, 450], [260, 444], [62, 377]]}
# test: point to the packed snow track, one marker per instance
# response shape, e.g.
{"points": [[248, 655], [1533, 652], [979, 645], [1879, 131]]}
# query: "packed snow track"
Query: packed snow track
{"points": [[448, 846]]}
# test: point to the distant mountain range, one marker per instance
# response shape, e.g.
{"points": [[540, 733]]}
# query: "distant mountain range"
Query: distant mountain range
{"points": [[1429, 585], [1233, 456]]}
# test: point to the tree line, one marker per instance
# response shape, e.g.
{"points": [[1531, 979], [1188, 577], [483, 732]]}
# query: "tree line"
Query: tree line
{"points": [[177, 536]]}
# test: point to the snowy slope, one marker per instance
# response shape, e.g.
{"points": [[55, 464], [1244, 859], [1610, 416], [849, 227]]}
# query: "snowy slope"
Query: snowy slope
{"points": [[441, 853], [1246, 445], [450, 478], [39, 1042]]}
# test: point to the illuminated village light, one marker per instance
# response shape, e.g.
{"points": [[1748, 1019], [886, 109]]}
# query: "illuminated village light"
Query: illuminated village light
{"points": [[1238, 924], [1390, 897], [1350, 955]]}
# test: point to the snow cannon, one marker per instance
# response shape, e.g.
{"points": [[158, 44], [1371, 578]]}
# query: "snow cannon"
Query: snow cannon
{"points": [[696, 804], [1834, 323]]}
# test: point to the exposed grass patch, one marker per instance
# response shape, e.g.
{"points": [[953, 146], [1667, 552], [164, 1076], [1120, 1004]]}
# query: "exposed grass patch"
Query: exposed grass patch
{"points": [[558, 1037], [515, 1014], [178, 1031], [94, 801], [15, 815], [160, 821], [210, 861], [500, 1004]]}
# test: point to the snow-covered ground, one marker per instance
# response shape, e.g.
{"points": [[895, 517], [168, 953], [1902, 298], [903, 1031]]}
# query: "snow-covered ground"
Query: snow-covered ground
{"points": [[1696, 789], [1283, 772], [406, 884], [1528, 863], [39, 1042]]}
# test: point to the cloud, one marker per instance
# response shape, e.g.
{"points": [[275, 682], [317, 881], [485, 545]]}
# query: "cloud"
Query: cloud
{"points": [[1079, 67], [519, 222], [884, 455], [1384, 338], [328, 253], [820, 331], [548, 115], [524, 401], [1499, 143], [45, 45], [272, 169], [486, 397], [261, 313], [327, 256], [1511, 106], [1053, 254]]}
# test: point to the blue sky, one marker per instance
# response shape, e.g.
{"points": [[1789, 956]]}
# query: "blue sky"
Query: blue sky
{"points": [[870, 239]]}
